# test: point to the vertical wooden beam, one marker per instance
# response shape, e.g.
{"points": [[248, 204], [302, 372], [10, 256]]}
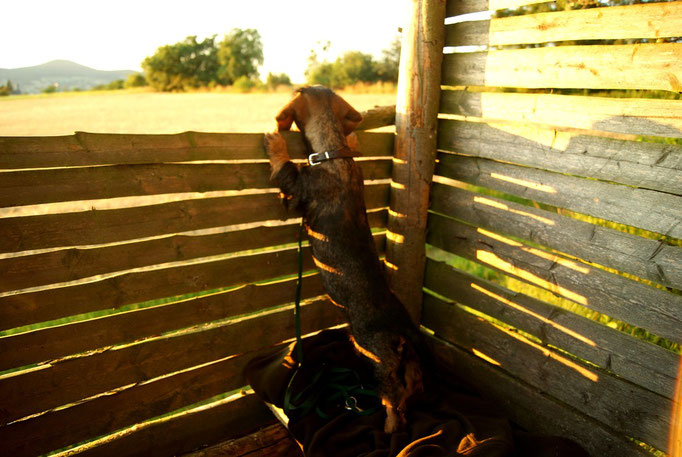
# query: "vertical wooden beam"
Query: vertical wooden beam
{"points": [[415, 149]]}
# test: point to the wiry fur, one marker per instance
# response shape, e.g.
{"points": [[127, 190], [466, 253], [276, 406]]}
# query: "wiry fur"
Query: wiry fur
{"points": [[330, 195]]}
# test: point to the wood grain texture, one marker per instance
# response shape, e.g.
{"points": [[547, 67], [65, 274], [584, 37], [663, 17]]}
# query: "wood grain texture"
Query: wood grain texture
{"points": [[76, 263], [637, 116], [643, 257], [140, 286], [187, 432], [597, 394], [111, 225], [92, 183], [530, 408], [415, 149], [635, 303], [90, 149], [457, 7], [274, 440], [64, 340], [638, 361], [650, 210], [653, 20], [73, 379], [637, 66]]}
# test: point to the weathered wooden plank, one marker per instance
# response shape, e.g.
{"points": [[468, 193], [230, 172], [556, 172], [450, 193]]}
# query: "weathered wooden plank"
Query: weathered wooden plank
{"points": [[531, 409], [380, 116], [72, 379], [188, 431], [638, 116], [652, 20], [635, 303], [643, 257], [457, 7], [60, 341], [274, 440], [415, 149], [130, 405], [650, 210], [91, 183], [636, 66], [140, 286], [107, 226], [654, 166], [593, 392], [643, 363], [89, 149], [71, 264]]}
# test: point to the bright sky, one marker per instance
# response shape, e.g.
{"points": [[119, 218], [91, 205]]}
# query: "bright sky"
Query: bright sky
{"points": [[118, 35]]}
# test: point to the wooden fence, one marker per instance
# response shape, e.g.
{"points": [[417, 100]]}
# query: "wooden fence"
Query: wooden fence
{"points": [[139, 274], [555, 221]]}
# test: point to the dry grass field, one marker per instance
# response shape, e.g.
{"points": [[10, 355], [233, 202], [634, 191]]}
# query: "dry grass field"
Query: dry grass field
{"points": [[150, 112]]}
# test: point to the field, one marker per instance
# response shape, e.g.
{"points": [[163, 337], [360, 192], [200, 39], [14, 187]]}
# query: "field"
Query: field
{"points": [[150, 112]]}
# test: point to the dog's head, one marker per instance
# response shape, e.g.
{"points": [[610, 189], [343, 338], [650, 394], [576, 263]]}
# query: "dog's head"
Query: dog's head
{"points": [[319, 103]]}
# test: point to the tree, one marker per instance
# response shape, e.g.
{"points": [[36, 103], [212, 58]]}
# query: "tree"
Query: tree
{"points": [[184, 65], [389, 66], [239, 54], [273, 80], [7, 89], [135, 80]]}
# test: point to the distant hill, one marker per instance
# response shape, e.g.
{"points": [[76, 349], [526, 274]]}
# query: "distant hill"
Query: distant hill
{"points": [[69, 75]]}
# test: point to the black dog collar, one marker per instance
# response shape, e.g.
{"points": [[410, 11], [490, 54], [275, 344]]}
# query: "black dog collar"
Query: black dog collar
{"points": [[318, 157]]}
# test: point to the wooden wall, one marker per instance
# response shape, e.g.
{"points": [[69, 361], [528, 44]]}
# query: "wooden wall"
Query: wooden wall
{"points": [[555, 267], [139, 274]]}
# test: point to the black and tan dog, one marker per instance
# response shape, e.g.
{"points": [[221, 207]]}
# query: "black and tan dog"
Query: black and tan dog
{"points": [[329, 193]]}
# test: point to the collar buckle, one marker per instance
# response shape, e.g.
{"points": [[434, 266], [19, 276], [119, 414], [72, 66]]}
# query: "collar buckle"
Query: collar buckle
{"points": [[317, 158]]}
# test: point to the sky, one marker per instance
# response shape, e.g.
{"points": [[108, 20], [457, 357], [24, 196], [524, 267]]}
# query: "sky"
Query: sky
{"points": [[119, 34]]}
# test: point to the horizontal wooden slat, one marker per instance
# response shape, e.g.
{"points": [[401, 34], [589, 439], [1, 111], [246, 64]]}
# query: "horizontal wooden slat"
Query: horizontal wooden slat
{"points": [[377, 117], [189, 431], [73, 379], [141, 286], [643, 363], [593, 392], [643, 257], [650, 210], [107, 226], [638, 116], [88, 149], [91, 183], [76, 263], [110, 413], [649, 20], [648, 165], [272, 440], [60, 341], [635, 303], [457, 7], [531, 409], [637, 66]]}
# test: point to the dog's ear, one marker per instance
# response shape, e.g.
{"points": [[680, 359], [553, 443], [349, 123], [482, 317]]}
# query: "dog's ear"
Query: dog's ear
{"points": [[348, 115], [351, 120], [285, 117]]}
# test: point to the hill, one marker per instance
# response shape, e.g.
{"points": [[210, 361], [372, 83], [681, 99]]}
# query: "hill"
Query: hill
{"points": [[68, 75]]}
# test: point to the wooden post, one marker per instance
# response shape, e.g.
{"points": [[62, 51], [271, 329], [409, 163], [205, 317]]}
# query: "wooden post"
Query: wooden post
{"points": [[415, 149]]}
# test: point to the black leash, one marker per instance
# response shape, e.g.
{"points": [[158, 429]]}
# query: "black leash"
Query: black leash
{"points": [[331, 388]]}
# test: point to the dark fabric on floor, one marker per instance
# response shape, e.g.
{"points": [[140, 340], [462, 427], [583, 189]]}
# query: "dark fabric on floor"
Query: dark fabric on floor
{"points": [[446, 420]]}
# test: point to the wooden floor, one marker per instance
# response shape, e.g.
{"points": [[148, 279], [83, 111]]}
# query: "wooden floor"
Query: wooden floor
{"points": [[270, 441]]}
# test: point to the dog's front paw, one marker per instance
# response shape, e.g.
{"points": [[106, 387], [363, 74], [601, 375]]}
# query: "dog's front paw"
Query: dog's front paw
{"points": [[276, 148]]}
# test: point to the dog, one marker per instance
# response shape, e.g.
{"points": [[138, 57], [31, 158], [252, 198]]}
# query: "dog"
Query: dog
{"points": [[329, 193]]}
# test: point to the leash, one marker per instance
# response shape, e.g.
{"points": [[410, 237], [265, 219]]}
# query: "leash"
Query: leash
{"points": [[331, 387]]}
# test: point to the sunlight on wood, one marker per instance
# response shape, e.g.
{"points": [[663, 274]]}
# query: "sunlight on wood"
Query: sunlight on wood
{"points": [[485, 357], [396, 214], [502, 206], [390, 265], [317, 235], [676, 419], [560, 260], [499, 238], [397, 185], [534, 314], [524, 183], [495, 261]]}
